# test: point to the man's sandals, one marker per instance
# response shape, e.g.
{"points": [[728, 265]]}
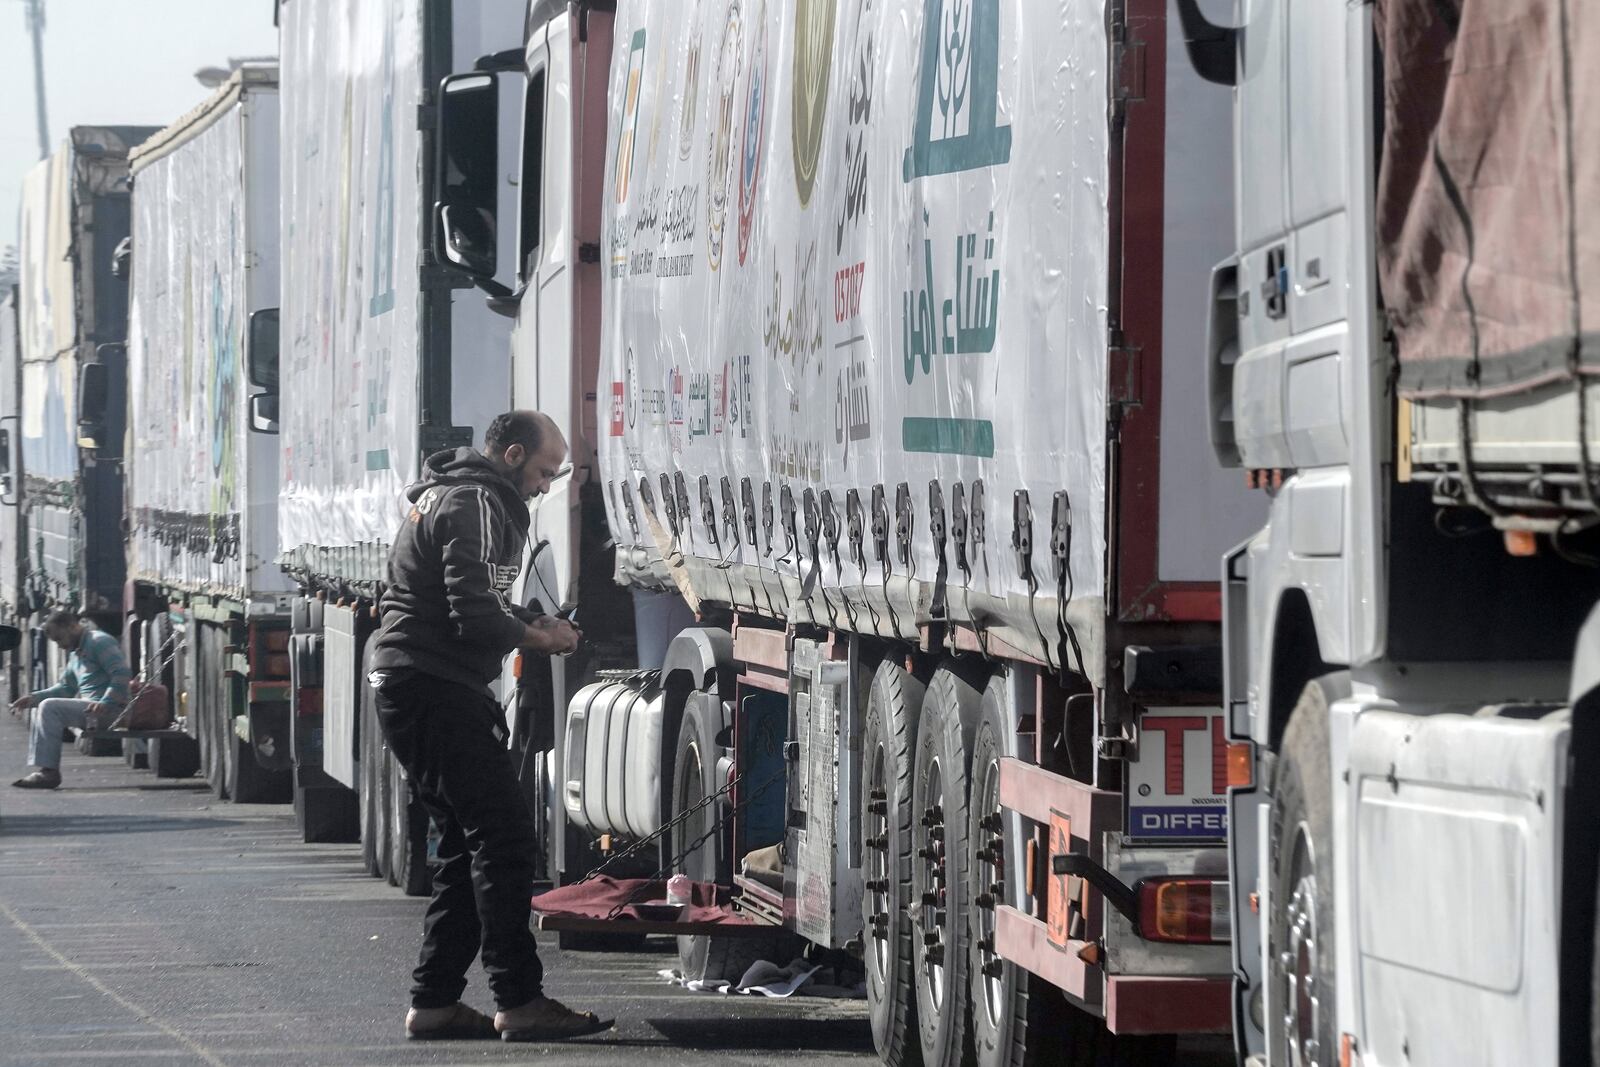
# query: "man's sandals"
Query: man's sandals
{"points": [[541, 1019], [455, 1023], [546, 1019]]}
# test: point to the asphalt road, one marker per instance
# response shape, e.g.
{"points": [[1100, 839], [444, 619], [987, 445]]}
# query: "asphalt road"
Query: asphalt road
{"points": [[142, 922]]}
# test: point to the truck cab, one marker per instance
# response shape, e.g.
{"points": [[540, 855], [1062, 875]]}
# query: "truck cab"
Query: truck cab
{"points": [[1400, 659]]}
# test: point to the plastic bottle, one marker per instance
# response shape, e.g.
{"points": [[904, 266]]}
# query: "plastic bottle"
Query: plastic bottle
{"points": [[678, 889]]}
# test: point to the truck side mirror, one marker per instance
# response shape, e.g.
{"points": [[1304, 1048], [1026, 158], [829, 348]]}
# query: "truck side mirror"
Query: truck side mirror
{"points": [[1213, 50], [465, 175], [94, 388], [263, 354], [5, 453], [264, 413]]}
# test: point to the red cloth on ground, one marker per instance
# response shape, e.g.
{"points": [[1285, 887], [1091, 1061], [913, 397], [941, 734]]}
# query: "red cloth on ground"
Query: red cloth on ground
{"points": [[594, 899]]}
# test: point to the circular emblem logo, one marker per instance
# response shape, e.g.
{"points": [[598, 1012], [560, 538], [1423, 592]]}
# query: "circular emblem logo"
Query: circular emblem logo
{"points": [[813, 61], [720, 156], [755, 108]]}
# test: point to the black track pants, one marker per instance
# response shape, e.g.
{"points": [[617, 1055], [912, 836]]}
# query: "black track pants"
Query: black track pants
{"points": [[445, 736]]}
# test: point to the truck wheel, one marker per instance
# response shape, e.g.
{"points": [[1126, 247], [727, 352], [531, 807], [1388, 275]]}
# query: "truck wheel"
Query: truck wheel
{"points": [[1010, 1009], [1300, 949], [887, 740], [408, 835], [253, 783], [703, 957], [217, 769], [374, 824], [229, 744], [940, 878]]}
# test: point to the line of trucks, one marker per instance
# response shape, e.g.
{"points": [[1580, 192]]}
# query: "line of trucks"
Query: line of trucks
{"points": [[1097, 653]]}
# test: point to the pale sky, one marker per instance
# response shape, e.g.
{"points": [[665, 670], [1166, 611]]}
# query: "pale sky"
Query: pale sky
{"points": [[114, 63]]}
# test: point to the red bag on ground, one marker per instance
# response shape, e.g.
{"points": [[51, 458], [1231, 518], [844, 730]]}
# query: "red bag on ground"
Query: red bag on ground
{"points": [[148, 708]]}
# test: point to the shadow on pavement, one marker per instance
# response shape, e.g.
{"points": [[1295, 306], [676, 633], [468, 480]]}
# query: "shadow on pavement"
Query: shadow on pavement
{"points": [[74, 825], [814, 1035]]}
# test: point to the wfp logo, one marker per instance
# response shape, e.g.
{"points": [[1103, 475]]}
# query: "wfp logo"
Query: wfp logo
{"points": [[955, 125], [813, 61]]}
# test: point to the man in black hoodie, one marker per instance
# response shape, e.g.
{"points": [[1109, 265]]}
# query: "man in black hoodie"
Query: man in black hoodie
{"points": [[447, 628]]}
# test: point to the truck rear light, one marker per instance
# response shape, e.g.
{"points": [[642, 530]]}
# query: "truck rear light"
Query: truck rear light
{"points": [[1349, 1055], [516, 666], [1241, 765], [1188, 910]]}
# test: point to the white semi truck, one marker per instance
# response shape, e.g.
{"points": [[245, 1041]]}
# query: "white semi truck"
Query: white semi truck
{"points": [[386, 358], [1400, 353], [871, 329], [67, 428], [207, 602]]}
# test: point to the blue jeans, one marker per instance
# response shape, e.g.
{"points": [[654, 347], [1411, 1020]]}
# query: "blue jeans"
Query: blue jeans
{"points": [[50, 718]]}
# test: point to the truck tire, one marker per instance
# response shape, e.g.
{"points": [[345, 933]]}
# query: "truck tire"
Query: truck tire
{"points": [[1301, 928], [702, 957], [408, 835], [229, 744], [216, 769], [255, 784], [371, 787], [888, 737], [1012, 1012], [940, 878]]}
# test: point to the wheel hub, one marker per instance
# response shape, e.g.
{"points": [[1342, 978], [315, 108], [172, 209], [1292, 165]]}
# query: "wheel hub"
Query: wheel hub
{"points": [[934, 916], [990, 860], [1299, 960]]}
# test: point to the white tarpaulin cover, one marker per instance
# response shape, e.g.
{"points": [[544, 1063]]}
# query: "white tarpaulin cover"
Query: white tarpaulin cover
{"points": [[201, 488], [353, 232], [852, 245], [48, 320]]}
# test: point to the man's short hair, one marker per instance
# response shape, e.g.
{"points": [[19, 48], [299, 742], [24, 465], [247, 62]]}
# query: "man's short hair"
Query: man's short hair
{"points": [[62, 620], [514, 428]]}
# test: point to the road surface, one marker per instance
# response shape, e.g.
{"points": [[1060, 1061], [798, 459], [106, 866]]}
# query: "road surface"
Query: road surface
{"points": [[144, 923]]}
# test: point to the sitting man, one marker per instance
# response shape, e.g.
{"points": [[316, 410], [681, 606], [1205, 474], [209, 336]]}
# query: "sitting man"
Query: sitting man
{"points": [[91, 693]]}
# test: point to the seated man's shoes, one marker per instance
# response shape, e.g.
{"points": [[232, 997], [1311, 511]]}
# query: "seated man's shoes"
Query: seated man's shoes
{"points": [[43, 778]]}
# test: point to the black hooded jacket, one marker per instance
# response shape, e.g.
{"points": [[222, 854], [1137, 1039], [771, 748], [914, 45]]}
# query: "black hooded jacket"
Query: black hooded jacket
{"points": [[446, 611]]}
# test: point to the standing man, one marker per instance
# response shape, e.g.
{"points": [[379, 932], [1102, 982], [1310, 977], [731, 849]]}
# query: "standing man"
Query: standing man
{"points": [[447, 627], [91, 692]]}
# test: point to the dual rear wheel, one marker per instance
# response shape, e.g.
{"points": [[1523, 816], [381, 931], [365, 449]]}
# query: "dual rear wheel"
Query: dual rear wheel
{"points": [[939, 856]]}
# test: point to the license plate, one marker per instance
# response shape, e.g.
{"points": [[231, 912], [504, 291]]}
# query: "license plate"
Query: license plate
{"points": [[1177, 788]]}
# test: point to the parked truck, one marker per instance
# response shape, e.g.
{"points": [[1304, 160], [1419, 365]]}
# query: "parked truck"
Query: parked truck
{"points": [[385, 360], [72, 317], [14, 600], [207, 603], [1400, 357], [871, 329]]}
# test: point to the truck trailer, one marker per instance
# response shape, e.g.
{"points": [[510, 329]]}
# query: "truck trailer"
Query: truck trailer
{"points": [[1400, 357], [871, 329], [207, 602], [385, 360], [72, 317]]}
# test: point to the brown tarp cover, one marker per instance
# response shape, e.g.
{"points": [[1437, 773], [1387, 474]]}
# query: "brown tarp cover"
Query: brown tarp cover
{"points": [[1489, 192]]}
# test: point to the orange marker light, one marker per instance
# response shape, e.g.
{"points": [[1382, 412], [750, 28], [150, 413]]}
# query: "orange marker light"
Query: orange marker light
{"points": [[1522, 543], [1241, 765]]}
